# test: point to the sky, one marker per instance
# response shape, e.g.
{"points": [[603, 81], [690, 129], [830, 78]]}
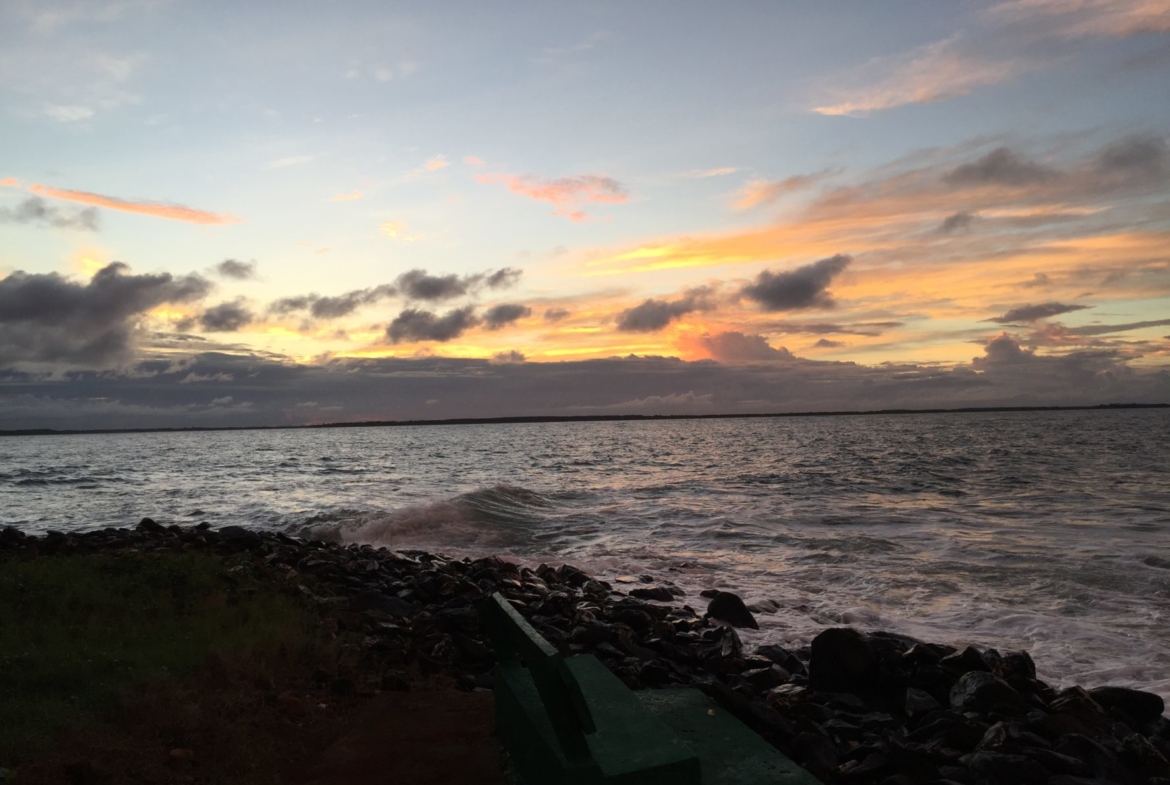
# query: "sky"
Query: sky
{"points": [[217, 213]]}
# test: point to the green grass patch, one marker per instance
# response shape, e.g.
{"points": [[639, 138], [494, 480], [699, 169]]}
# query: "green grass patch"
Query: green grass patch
{"points": [[78, 634]]}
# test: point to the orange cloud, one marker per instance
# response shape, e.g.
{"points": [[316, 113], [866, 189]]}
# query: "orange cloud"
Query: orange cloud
{"points": [[349, 197], [932, 73], [1077, 18], [473, 160], [758, 192], [173, 212], [564, 192], [10, 182]]}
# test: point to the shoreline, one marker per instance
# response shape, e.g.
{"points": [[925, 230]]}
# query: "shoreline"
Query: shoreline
{"points": [[851, 707], [526, 420]]}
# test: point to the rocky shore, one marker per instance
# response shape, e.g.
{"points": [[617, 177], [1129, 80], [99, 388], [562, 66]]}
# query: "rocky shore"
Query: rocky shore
{"points": [[851, 707]]}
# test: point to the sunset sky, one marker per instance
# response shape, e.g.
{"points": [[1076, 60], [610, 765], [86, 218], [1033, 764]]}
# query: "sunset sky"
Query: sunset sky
{"points": [[218, 213]]}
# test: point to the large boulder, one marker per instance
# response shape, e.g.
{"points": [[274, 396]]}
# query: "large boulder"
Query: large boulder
{"points": [[979, 691], [1141, 706], [842, 661]]}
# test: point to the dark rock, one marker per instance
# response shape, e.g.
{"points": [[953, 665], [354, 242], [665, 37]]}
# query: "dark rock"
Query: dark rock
{"points": [[729, 609], [955, 774], [816, 753], [1055, 762], [238, 535], [84, 773], [919, 702], [992, 768], [841, 661], [1142, 706], [149, 525], [980, 691], [766, 678], [1101, 761], [782, 657], [381, 603], [657, 593], [394, 681], [1014, 664], [965, 661], [1140, 755], [875, 763], [591, 633]]}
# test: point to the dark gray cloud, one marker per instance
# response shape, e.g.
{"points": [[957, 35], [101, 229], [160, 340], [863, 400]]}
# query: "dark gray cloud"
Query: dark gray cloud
{"points": [[421, 285], [1001, 166], [1038, 280], [287, 305], [334, 306], [804, 287], [1030, 313], [1145, 154], [1055, 333], [47, 318], [226, 317], [652, 315], [35, 210], [827, 328], [555, 315], [502, 315], [236, 270], [415, 325], [825, 343], [956, 222], [504, 278], [345, 304], [414, 284], [267, 390]]}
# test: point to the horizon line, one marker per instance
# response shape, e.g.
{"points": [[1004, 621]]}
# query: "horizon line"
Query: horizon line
{"points": [[553, 418]]}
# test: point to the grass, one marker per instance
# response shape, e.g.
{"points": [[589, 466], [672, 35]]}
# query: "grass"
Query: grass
{"points": [[104, 654]]}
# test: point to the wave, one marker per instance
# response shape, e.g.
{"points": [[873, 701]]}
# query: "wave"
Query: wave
{"points": [[503, 517]]}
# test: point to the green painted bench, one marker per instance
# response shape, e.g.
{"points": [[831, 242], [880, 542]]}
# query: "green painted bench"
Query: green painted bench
{"points": [[570, 721]]}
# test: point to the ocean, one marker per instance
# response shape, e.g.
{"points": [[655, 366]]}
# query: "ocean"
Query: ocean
{"points": [[1048, 531]]}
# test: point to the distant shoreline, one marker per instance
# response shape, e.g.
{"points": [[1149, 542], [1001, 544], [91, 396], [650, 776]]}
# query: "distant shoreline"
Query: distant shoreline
{"points": [[584, 418]]}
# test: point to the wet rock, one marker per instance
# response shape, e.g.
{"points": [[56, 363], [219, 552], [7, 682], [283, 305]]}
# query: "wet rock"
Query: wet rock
{"points": [[592, 633], [1011, 735], [239, 536], [395, 681], [381, 603], [1143, 757], [728, 608], [657, 593], [919, 702], [980, 691], [816, 753], [1142, 706], [766, 678], [84, 773], [149, 525], [1013, 665], [842, 661], [965, 661], [993, 768], [1100, 760]]}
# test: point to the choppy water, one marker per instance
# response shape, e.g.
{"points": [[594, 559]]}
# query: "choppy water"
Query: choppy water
{"points": [[1048, 531]]}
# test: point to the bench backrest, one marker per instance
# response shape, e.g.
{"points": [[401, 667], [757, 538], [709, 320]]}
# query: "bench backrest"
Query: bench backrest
{"points": [[517, 642]]}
